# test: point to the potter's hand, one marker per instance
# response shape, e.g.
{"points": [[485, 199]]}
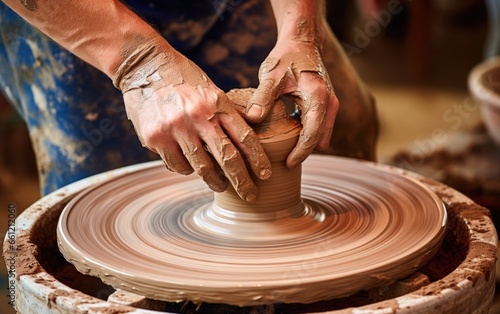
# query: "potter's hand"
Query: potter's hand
{"points": [[294, 67], [180, 114]]}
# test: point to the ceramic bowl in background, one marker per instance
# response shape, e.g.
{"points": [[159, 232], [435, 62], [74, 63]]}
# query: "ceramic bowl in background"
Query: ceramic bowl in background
{"points": [[484, 85]]}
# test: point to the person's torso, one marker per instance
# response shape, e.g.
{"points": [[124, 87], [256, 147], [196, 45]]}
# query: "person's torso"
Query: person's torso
{"points": [[182, 22]]}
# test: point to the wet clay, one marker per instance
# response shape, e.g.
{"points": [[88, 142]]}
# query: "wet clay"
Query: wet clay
{"points": [[464, 264], [29, 4], [341, 227], [307, 30], [213, 253], [145, 57], [281, 74], [181, 115], [24, 264]]}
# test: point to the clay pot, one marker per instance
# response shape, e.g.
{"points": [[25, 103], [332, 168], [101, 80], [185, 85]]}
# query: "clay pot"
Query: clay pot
{"points": [[484, 85]]}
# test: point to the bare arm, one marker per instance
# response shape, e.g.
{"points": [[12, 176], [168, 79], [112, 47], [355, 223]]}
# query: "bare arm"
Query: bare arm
{"points": [[97, 31], [299, 19]]}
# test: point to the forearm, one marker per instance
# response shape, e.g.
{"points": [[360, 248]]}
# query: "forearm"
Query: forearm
{"points": [[97, 31], [299, 19]]}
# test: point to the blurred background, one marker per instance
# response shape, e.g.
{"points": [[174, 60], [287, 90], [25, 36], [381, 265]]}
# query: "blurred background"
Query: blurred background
{"points": [[414, 55]]}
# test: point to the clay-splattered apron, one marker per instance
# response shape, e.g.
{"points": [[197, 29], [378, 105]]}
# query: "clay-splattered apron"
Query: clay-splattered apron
{"points": [[76, 118]]}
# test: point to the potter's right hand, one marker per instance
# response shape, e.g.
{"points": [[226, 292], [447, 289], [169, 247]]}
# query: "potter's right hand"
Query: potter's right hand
{"points": [[179, 113]]}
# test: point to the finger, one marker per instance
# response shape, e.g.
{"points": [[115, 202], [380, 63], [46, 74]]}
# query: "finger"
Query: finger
{"points": [[175, 161], [203, 165], [262, 100], [248, 144], [331, 113], [313, 126], [219, 173], [232, 164]]}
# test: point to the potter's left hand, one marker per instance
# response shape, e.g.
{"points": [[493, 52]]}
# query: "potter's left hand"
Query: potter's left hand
{"points": [[295, 68]]}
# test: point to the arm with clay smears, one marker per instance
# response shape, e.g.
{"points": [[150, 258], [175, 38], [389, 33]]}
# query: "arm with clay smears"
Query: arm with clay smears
{"points": [[295, 68], [94, 30], [177, 111]]}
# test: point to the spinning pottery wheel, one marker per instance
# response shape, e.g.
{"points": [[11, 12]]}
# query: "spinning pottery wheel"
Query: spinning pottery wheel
{"points": [[328, 231]]}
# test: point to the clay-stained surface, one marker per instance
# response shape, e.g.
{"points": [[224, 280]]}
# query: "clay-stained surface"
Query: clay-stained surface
{"points": [[358, 227]]}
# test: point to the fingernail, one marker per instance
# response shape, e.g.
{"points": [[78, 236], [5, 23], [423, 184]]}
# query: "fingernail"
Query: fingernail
{"points": [[216, 187], [294, 162], [251, 197], [216, 182], [265, 174], [255, 110]]}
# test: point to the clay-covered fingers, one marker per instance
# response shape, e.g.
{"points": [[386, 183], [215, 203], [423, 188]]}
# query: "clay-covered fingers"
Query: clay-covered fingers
{"points": [[247, 143], [296, 68], [189, 155], [204, 164], [176, 110], [234, 143], [234, 167], [261, 101], [332, 107], [174, 160], [319, 106], [271, 86]]}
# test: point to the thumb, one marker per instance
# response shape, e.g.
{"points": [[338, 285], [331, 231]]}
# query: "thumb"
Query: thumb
{"points": [[262, 100]]}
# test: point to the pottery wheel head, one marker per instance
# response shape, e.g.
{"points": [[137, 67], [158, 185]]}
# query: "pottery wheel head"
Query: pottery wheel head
{"points": [[325, 231]]}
